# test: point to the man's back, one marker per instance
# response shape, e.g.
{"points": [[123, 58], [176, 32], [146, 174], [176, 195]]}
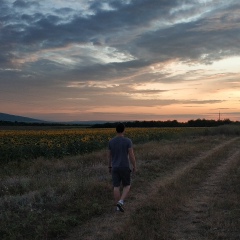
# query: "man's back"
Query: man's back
{"points": [[119, 147]]}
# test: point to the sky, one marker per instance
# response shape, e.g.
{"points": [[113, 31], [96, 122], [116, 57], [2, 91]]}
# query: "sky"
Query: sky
{"points": [[120, 60]]}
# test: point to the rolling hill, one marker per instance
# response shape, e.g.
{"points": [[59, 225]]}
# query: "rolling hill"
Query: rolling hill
{"points": [[15, 118]]}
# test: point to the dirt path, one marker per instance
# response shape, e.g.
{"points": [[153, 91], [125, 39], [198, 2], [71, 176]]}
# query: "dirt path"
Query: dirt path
{"points": [[104, 226], [195, 211]]}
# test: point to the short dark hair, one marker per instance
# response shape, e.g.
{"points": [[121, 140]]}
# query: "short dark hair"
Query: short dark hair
{"points": [[120, 128]]}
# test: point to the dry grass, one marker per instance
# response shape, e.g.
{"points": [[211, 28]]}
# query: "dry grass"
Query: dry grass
{"points": [[225, 209], [47, 199]]}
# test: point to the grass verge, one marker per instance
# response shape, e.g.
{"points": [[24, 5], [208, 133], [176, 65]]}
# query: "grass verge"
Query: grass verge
{"points": [[46, 199]]}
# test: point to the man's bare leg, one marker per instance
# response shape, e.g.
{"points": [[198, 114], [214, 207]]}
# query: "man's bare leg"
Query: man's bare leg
{"points": [[119, 199], [125, 192], [116, 192]]}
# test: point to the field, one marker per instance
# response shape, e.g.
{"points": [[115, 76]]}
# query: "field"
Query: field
{"points": [[57, 143], [55, 185]]}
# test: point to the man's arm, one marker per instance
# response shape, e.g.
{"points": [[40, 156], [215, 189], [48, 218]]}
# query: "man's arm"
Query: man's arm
{"points": [[132, 158]]}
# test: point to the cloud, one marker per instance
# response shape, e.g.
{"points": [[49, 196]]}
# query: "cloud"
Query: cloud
{"points": [[108, 51], [24, 4], [142, 39]]}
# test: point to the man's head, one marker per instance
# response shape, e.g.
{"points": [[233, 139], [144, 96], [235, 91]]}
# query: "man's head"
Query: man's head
{"points": [[120, 128]]}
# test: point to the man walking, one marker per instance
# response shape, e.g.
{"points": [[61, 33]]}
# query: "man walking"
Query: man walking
{"points": [[120, 155]]}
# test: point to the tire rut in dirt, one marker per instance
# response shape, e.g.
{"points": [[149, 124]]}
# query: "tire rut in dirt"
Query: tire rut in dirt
{"points": [[190, 220]]}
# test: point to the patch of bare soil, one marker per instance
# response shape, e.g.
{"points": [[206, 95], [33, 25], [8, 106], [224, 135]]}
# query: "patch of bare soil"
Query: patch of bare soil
{"points": [[189, 220]]}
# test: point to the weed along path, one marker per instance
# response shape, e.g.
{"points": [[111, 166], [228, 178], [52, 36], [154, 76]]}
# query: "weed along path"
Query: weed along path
{"points": [[179, 198]]}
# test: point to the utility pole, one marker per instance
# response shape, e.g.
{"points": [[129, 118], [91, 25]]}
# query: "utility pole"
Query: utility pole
{"points": [[219, 116]]}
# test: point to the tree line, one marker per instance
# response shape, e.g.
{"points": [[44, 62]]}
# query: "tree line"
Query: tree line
{"points": [[168, 123]]}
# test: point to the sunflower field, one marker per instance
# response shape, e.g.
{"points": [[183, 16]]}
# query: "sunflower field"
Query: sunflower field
{"points": [[57, 143]]}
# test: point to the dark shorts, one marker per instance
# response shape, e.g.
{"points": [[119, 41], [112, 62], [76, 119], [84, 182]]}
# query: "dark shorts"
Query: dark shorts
{"points": [[121, 175]]}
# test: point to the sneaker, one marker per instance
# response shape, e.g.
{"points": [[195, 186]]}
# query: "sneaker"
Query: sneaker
{"points": [[120, 206]]}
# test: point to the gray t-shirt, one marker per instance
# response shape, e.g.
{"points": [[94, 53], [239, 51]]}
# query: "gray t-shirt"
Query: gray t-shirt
{"points": [[119, 150]]}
